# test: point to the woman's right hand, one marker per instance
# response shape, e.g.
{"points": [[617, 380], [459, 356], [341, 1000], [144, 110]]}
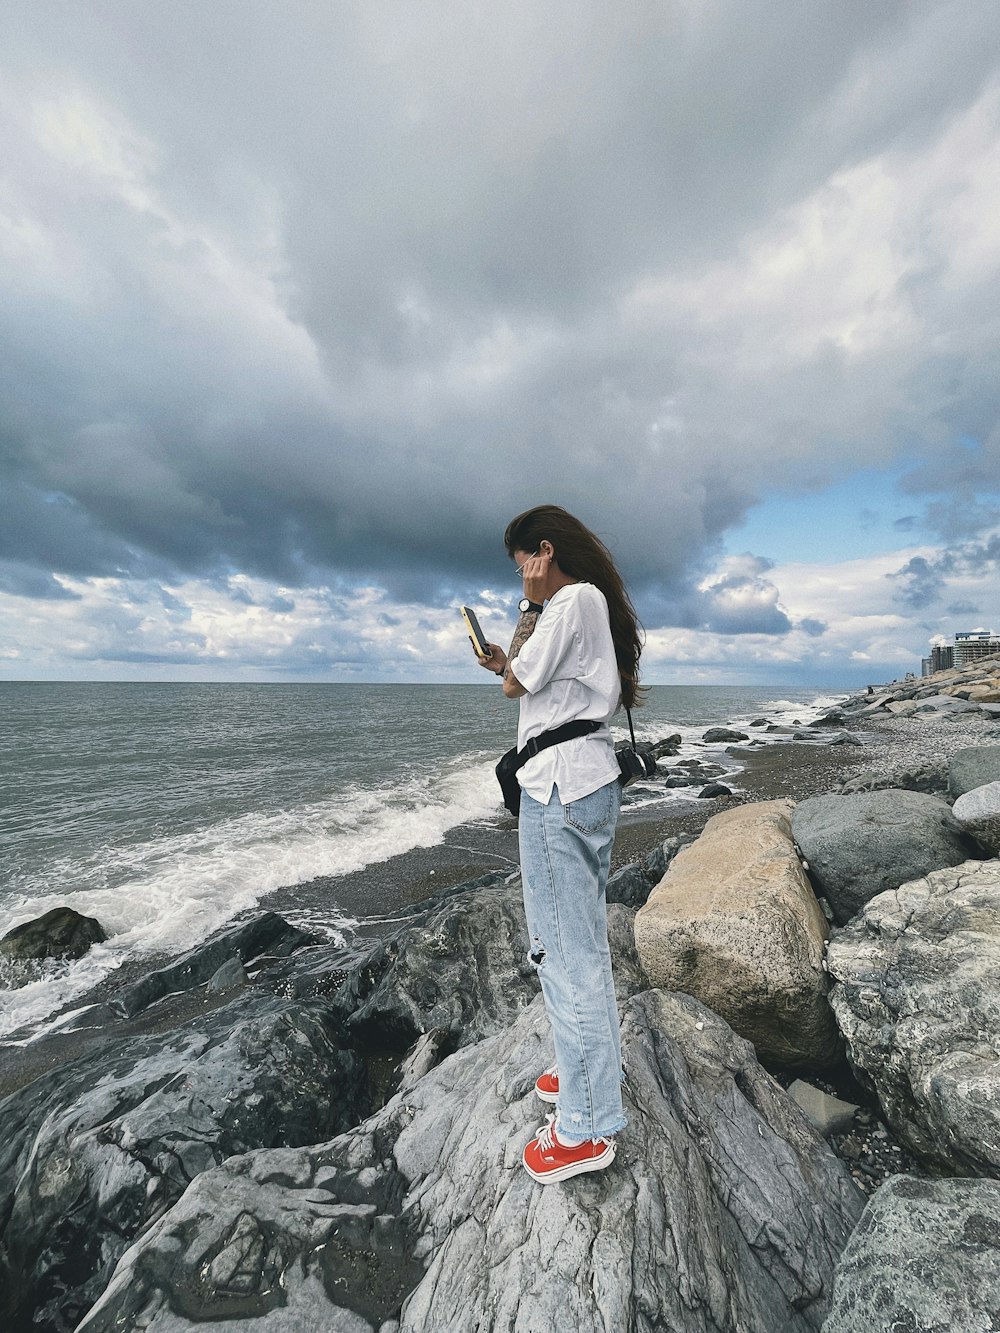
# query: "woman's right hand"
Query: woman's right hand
{"points": [[497, 660]]}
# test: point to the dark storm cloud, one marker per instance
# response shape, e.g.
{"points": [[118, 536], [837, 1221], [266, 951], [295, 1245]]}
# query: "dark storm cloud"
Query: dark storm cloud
{"points": [[814, 628], [27, 581], [341, 303], [923, 581]]}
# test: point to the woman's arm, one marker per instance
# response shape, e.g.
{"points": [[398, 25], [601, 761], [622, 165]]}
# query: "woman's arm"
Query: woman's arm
{"points": [[512, 687]]}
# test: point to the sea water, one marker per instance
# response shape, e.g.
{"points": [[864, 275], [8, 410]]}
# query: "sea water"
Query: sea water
{"points": [[164, 810]]}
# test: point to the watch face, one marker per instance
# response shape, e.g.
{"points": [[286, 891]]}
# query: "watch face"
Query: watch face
{"points": [[524, 604]]}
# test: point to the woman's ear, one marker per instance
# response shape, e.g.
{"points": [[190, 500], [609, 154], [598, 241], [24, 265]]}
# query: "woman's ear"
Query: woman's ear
{"points": [[545, 548]]}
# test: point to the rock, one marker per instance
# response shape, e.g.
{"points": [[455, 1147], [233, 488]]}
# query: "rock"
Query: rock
{"points": [[630, 885], [918, 1001], [724, 1209], [986, 693], [925, 1256], [978, 812], [701, 767], [666, 747], [426, 1053], [229, 976], [973, 767], [860, 845], [875, 705], [829, 1114], [462, 969], [94, 1151], [660, 857], [902, 708], [265, 934], [930, 777], [759, 722], [844, 738], [714, 789], [834, 717], [945, 704], [683, 780], [735, 923], [61, 933], [718, 735]]}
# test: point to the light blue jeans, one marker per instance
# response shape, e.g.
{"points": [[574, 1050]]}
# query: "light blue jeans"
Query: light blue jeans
{"points": [[565, 859]]}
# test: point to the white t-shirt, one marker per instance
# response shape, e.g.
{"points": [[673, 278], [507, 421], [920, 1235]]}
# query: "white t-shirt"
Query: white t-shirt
{"points": [[569, 669]]}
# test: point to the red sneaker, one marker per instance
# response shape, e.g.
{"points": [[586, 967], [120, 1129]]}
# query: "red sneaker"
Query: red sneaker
{"points": [[547, 1086], [546, 1159]]}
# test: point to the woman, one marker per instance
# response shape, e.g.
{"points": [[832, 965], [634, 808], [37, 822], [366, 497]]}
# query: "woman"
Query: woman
{"points": [[575, 660]]}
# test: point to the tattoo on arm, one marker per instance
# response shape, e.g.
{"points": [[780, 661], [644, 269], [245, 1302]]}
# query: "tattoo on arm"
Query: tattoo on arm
{"points": [[522, 633]]}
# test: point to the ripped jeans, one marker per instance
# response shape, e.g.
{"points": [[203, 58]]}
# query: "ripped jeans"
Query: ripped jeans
{"points": [[565, 859]]}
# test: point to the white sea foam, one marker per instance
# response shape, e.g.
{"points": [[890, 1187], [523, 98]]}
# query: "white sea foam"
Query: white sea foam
{"points": [[166, 895]]}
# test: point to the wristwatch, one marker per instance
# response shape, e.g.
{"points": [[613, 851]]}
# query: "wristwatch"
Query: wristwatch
{"points": [[525, 605]]}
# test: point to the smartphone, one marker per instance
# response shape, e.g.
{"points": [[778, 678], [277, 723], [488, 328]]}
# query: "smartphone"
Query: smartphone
{"points": [[476, 635]]}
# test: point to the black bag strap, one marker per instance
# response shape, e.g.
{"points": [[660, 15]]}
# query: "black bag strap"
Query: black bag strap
{"points": [[567, 732], [631, 729]]}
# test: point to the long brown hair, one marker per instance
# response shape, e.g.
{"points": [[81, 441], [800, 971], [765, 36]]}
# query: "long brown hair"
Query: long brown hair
{"points": [[582, 555]]}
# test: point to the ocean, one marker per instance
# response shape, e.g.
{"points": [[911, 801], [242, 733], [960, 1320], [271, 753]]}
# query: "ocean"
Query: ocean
{"points": [[164, 810]]}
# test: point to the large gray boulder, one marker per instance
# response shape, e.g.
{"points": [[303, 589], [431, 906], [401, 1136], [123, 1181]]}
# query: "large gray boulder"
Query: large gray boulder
{"points": [[735, 922], [925, 1256], [860, 845], [918, 1001], [978, 812], [973, 767], [724, 1208], [94, 1151]]}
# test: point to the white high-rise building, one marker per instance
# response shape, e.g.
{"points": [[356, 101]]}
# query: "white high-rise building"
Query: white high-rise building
{"points": [[971, 645]]}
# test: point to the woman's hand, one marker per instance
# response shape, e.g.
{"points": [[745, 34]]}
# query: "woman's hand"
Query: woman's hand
{"points": [[497, 660], [535, 572]]}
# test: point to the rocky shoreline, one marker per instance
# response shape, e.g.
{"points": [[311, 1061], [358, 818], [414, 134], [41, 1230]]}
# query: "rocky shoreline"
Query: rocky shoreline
{"points": [[278, 1133]]}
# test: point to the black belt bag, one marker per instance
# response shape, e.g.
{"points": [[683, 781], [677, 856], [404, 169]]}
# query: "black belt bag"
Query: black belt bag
{"points": [[515, 759]]}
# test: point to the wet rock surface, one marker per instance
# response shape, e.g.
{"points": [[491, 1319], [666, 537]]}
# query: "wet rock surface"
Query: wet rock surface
{"points": [[93, 1152], [724, 1208], [265, 934], [925, 1255], [723, 735], [61, 933], [918, 1001]]}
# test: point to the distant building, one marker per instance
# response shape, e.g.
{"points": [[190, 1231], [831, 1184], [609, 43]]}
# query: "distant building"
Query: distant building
{"points": [[942, 657], [926, 666], [971, 645]]}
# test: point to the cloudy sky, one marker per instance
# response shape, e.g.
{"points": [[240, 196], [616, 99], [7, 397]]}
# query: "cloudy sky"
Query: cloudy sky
{"points": [[300, 302]]}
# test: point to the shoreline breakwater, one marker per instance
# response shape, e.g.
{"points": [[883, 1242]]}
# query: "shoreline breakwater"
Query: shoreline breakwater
{"points": [[281, 1132]]}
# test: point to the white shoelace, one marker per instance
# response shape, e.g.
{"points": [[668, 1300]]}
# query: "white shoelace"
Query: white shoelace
{"points": [[547, 1140]]}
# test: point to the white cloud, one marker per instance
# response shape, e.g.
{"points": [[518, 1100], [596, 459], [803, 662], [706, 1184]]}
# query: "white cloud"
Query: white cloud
{"points": [[244, 628]]}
